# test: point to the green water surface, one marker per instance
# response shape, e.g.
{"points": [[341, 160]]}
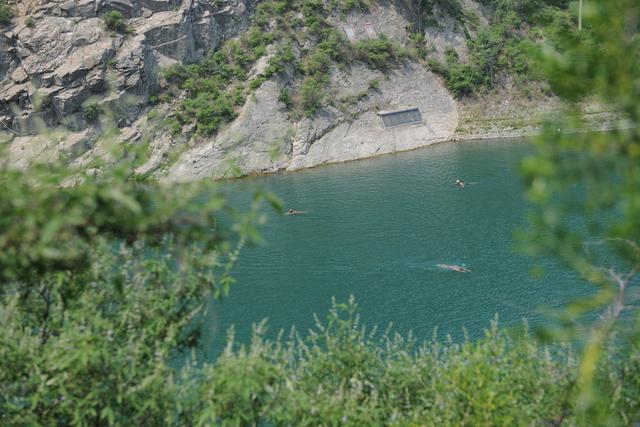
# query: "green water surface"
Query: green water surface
{"points": [[376, 229]]}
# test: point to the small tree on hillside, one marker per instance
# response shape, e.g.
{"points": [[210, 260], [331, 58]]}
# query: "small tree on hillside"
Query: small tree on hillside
{"points": [[114, 21]]}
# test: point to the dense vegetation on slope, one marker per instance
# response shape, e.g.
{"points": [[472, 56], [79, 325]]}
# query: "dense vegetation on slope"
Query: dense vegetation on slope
{"points": [[303, 45], [219, 84], [503, 48]]}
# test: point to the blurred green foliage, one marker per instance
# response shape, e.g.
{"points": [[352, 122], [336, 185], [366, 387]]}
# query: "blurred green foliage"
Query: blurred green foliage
{"points": [[102, 282], [586, 186]]}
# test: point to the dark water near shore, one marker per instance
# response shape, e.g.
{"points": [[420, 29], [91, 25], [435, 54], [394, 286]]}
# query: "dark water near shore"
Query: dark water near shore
{"points": [[376, 229]]}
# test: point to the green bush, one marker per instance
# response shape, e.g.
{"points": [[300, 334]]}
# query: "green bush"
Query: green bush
{"points": [[380, 53], [335, 44], [236, 54], [29, 22], [529, 10], [346, 6], [92, 112], [312, 92], [286, 98], [256, 83], [283, 56], [114, 21], [437, 67], [258, 38], [5, 13], [211, 110], [175, 127], [238, 95], [461, 79], [317, 62]]}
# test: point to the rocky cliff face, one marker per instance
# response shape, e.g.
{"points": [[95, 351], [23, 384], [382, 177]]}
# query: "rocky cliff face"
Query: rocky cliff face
{"points": [[58, 54], [66, 59]]}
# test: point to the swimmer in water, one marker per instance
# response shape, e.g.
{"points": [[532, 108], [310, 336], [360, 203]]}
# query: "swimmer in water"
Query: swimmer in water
{"points": [[459, 183], [294, 212], [457, 268]]}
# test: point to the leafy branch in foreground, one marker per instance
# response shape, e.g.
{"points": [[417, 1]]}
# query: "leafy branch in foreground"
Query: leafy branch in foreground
{"points": [[586, 186], [102, 285]]}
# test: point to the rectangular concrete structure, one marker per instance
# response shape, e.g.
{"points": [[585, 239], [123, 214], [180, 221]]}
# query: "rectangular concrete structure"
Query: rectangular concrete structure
{"points": [[408, 116]]}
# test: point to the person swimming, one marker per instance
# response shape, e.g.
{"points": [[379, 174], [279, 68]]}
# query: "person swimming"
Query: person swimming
{"points": [[459, 183], [457, 268], [295, 212]]}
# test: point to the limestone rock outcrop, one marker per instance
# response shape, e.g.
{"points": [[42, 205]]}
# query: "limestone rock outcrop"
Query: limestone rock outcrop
{"points": [[258, 141], [58, 55]]}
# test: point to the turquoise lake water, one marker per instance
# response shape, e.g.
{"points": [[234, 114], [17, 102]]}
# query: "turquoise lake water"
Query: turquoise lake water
{"points": [[376, 229]]}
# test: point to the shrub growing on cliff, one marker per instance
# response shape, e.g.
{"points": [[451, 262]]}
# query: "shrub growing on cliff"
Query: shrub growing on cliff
{"points": [[285, 98], [5, 13], [346, 6], [312, 93], [114, 21], [284, 56], [380, 53], [211, 111], [206, 84], [92, 112]]}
